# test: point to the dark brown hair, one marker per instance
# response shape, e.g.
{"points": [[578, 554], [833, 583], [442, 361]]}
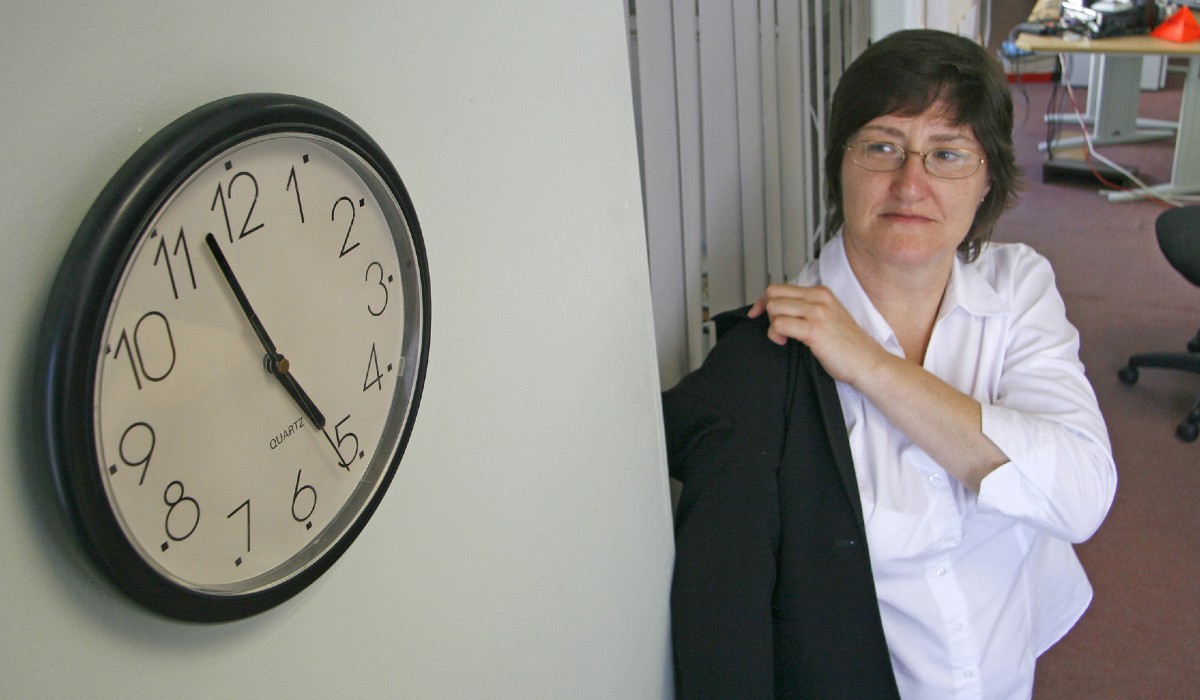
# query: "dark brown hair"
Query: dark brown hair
{"points": [[904, 74]]}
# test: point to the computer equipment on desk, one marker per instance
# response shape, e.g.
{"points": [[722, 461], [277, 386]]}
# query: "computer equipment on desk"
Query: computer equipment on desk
{"points": [[1107, 18]]}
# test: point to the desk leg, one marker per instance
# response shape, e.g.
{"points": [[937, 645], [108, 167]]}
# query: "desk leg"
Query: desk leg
{"points": [[1114, 88], [1185, 169], [1116, 95], [1117, 100]]}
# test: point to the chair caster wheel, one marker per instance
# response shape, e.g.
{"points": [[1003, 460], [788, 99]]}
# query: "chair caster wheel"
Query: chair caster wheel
{"points": [[1129, 374], [1188, 432]]}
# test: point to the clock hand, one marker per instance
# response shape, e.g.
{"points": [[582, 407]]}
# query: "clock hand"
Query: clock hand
{"points": [[279, 367], [280, 370], [276, 363]]}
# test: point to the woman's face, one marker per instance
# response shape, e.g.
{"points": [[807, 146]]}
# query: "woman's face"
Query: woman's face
{"points": [[907, 219]]}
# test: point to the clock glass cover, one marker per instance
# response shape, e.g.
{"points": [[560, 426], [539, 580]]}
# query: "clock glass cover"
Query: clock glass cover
{"points": [[249, 328]]}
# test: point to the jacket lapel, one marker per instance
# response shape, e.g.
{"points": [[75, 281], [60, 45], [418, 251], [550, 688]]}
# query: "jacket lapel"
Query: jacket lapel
{"points": [[835, 429]]}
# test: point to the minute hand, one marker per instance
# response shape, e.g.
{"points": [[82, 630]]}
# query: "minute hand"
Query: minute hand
{"points": [[277, 363]]}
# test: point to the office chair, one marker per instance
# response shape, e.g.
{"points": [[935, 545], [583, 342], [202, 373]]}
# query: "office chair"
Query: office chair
{"points": [[1178, 232]]}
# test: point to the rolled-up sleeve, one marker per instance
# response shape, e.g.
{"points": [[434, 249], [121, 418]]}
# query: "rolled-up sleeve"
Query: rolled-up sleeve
{"points": [[1061, 477]]}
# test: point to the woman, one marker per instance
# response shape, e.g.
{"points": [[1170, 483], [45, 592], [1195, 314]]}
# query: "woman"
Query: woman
{"points": [[978, 450]]}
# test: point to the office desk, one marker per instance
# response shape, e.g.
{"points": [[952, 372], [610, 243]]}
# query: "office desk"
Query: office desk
{"points": [[1110, 114], [1117, 112]]}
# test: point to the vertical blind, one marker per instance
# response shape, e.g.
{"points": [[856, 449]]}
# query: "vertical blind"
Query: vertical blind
{"points": [[731, 99]]}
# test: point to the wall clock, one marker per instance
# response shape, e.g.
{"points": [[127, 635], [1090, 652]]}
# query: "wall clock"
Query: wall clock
{"points": [[233, 355]]}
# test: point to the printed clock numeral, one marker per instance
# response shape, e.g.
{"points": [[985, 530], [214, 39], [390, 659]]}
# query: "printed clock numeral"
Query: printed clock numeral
{"points": [[333, 216], [304, 501], [183, 513], [340, 438], [141, 435], [154, 340], [165, 256], [244, 505], [374, 377], [224, 196], [293, 183], [382, 283]]}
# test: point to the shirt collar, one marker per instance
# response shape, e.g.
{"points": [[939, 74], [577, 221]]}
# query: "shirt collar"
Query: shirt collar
{"points": [[837, 275], [968, 289]]}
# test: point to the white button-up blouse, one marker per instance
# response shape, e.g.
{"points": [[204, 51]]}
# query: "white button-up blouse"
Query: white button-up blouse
{"points": [[973, 587]]}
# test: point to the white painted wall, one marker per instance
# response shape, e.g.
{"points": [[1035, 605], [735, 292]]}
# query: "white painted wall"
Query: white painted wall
{"points": [[524, 549], [893, 15], [964, 17]]}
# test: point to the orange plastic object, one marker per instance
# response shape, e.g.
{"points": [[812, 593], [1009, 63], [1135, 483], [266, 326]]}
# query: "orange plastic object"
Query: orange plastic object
{"points": [[1181, 27]]}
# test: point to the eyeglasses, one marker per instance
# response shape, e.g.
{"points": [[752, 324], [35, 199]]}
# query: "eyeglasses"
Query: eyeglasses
{"points": [[945, 163]]}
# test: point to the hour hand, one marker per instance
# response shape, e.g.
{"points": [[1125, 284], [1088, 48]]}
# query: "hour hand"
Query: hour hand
{"points": [[278, 366], [276, 363]]}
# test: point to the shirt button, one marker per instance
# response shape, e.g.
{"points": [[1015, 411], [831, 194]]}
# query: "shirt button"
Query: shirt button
{"points": [[935, 479], [941, 571]]}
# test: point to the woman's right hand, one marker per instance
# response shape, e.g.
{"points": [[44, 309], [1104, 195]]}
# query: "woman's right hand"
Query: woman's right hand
{"points": [[815, 317]]}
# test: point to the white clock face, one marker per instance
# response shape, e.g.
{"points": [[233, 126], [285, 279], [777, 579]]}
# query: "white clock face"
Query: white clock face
{"points": [[207, 431]]}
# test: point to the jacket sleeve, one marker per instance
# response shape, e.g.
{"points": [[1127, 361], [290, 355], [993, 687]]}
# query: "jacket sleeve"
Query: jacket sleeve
{"points": [[726, 535]]}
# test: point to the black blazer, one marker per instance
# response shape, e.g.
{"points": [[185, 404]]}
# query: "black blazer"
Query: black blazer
{"points": [[772, 594]]}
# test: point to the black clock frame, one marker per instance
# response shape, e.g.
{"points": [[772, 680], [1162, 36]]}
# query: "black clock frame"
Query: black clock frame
{"points": [[72, 334]]}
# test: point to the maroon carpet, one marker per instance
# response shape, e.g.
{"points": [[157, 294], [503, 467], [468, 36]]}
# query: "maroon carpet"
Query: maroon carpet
{"points": [[1139, 639]]}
